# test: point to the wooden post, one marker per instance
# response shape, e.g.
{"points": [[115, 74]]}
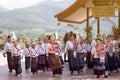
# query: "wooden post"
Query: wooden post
{"points": [[98, 27], [87, 22], [118, 19]]}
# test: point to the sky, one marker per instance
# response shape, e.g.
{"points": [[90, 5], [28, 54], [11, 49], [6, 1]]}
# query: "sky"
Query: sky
{"points": [[14, 4]]}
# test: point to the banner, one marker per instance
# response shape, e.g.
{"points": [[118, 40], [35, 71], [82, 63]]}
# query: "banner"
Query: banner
{"points": [[103, 2], [103, 11]]}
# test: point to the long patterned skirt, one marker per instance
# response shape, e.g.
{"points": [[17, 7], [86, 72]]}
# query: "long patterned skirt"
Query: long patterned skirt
{"points": [[73, 62], [112, 60], [61, 59], [42, 62], [99, 67], [107, 67], [55, 64], [27, 62], [34, 64], [81, 59], [89, 62], [118, 59], [48, 65], [17, 62], [10, 61]]}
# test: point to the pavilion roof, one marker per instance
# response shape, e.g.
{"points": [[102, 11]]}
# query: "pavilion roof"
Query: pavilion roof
{"points": [[76, 13]]}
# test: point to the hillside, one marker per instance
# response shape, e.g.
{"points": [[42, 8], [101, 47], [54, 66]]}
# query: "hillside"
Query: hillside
{"points": [[35, 19], [39, 19]]}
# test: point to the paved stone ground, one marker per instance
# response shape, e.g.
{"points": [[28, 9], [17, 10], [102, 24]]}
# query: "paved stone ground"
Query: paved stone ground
{"points": [[27, 75]]}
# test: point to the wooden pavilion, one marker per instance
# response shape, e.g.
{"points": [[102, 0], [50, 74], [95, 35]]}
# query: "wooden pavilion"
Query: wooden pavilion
{"points": [[83, 10]]}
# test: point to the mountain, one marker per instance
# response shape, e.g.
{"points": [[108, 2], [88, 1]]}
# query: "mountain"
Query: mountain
{"points": [[3, 9], [39, 19], [35, 19]]}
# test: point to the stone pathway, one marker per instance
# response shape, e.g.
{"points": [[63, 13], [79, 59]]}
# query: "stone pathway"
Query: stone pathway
{"points": [[27, 75]]}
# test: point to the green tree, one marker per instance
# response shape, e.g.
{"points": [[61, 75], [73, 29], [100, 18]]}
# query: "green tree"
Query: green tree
{"points": [[116, 32]]}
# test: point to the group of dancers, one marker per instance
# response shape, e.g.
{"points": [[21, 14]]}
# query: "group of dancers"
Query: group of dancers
{"points": [[102, 57], [42, 56]]}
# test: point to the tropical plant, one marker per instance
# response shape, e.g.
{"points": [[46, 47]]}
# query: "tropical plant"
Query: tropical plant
{"points": [[116, 32]]}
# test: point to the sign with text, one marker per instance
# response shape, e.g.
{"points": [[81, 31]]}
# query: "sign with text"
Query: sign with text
{"points": [[103, 2], [103, 11]]}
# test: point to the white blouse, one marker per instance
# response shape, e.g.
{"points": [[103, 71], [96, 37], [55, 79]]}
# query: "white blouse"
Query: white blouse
{"points": [[89, 47], [27, 52], [69, 46], [47, 45], [41, 49], [8, 47], [81, 48], [94, 52], [33, 52], [16, 51]]}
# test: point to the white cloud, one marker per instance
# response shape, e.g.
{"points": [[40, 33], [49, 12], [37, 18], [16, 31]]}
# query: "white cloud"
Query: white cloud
{"points": [[12, 4]]}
